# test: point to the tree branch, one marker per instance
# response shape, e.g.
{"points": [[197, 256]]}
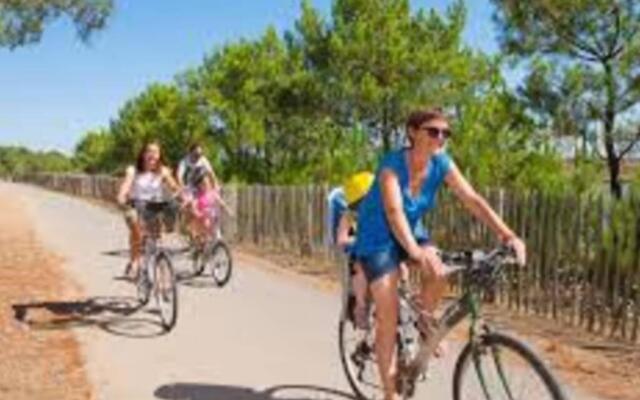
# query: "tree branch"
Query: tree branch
{"points": [[627, 149], [616, 37], [569, 37]]}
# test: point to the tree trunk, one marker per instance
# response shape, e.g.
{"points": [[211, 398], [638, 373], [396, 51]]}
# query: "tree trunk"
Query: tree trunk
{"points": [[385, 131], [614, 172], [613, 162]]}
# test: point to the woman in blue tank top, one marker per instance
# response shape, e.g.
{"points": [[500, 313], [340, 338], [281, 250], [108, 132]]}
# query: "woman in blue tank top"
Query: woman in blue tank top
{"points": [[390, 229]]}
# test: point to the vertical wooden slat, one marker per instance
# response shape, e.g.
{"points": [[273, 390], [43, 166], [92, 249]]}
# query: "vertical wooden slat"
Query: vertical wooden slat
{"points": [[630, 261], [619, 231]]}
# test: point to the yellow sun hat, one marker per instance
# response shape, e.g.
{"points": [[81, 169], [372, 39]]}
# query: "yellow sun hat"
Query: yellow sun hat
{"points": [[357, 186]]}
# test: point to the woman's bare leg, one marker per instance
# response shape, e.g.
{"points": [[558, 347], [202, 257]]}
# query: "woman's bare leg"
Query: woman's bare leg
{"points": [[433, 288], [135, 241], [385, 296], [432, 291]]}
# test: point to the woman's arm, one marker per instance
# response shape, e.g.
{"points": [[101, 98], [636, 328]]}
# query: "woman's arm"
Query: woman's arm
{"points": [[392, 200], [170, 181], [180, 172], [125, 185], [479, 207]]}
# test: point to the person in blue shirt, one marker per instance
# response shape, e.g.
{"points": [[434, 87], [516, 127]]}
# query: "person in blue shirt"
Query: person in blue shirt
{"points": [[343, 202], [390, 229]]}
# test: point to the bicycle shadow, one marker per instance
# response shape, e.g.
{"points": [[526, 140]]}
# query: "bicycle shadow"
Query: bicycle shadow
{"points": [[182, 264], [121, 316], [174, 250], [196, 281], [198, 391]]}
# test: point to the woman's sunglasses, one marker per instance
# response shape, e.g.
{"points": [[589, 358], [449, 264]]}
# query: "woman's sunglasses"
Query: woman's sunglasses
{"points": [[436, 133]]}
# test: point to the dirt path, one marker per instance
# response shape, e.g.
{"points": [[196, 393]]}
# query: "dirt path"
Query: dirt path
{"points": [[35, 364]]}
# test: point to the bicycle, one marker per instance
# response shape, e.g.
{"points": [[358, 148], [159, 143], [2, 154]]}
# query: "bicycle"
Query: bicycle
{"points": [[213, 251], [156, 272], [488, 361]]}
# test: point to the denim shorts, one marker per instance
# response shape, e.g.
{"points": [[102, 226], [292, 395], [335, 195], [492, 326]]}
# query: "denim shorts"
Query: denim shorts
{"points": [[380, 263]]}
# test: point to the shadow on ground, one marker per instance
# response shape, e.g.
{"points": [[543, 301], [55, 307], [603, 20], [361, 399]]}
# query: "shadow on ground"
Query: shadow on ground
{"points": [[122, 316], [197, 391]]}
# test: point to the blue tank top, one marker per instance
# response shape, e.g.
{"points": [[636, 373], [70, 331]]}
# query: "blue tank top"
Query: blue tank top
{"points": [[374, 231]]}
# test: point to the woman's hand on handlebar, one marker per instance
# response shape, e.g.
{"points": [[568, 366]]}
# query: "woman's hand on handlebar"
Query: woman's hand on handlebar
{"points": [[122, 202], [429, 260], [519, 248]]}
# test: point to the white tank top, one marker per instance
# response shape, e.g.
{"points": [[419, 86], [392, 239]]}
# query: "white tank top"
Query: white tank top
{"points": [[147, 186]]}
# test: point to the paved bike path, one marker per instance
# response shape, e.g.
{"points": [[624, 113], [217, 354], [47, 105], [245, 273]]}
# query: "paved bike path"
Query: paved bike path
{"points": [[260, 337]]}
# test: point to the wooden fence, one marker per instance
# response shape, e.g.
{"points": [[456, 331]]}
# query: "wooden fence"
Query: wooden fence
{"points": [[584, 252]]}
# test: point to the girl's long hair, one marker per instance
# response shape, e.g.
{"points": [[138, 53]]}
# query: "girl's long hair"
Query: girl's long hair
{"points": [[143, 150]]}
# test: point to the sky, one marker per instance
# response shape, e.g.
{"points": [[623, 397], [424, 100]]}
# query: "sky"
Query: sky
{"points": [[52, 92]]}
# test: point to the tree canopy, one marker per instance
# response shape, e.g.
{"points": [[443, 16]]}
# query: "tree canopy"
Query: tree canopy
{"points": [[584, 63], [16, 160], [327, 97], [23, 22]]}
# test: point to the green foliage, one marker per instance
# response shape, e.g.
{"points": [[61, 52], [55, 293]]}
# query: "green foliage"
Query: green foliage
{"points": [[161, 113], [93, 154], [496, 144], [328, 97], [19, 160], [23, 22], [587, 176], [378, 61], [585, 67]]}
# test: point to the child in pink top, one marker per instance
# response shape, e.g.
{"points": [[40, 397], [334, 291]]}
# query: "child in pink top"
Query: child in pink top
{"points": [[206, 208]]}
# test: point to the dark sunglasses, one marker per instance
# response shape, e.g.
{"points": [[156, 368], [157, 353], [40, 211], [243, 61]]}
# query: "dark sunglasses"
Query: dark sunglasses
{"points": [[436, 133]]}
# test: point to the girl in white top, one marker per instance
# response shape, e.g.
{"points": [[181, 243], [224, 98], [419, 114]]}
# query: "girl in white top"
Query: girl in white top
{"points": [[143, 182]]}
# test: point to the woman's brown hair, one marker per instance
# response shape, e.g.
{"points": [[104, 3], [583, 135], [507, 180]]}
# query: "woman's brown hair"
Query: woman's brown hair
{"points": [[420, 116], [143, 149]]}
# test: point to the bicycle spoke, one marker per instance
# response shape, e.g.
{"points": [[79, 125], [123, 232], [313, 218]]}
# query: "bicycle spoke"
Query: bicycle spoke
{"points": [[495, 352], [481, 377]]}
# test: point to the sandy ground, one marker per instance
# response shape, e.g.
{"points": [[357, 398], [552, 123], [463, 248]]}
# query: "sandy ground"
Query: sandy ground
{"points": [[35, 364]]}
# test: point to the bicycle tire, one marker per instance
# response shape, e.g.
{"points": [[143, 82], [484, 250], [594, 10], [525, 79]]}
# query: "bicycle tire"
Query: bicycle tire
{"points": [[198, 263], [167, 298], [493, 340], [220, 249], [143, 285], [353, 381]]}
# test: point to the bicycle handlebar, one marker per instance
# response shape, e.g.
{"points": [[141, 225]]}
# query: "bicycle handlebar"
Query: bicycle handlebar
{"points": [[477, 260]]}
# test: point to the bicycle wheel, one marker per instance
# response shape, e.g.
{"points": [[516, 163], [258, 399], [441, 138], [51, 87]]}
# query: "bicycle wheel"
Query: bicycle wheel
{"points": [[166, 291], [198, 261], [143, 284], [357, 356], [221, 263], [501, 367]]}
